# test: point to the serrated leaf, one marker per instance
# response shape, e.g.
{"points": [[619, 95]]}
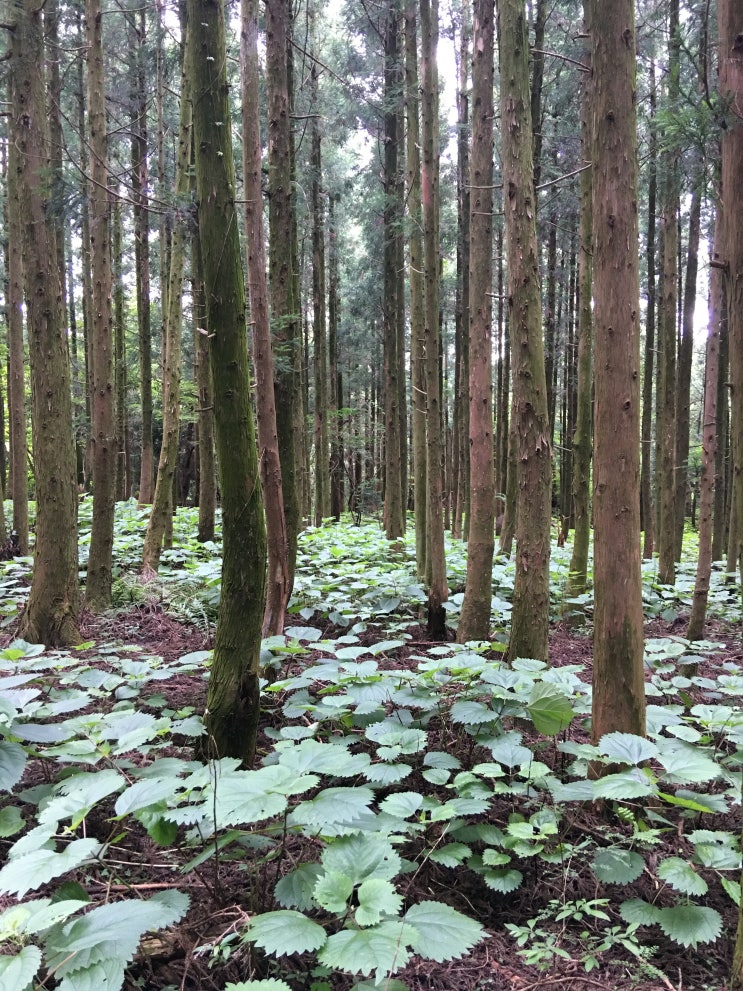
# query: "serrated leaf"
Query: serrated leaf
{"points": [[285, 932], [451, 855], [508, 750], [690, 925], [11, 821], [436, 775], [12, 763], [382, 948], [550, 709], [615, 866], [362, 856], [377, 898], [268, 985], [682, 876], [732, 888], [38, 867], [332, 806], [17, 972], [295, 889], [402, 804], [439, 758], [503, 880], [627, 748], [388, 985], [633, 783], [443, 933], [471, 713], [390, 774], [637, 912], [332, 891], [688, 766]]}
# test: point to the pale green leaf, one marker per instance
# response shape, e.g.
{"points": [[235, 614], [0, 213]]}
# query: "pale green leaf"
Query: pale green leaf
{"points": [[682, 876], [377, 898], [382, 948], [402, 804], [332, 806], [12, 762], [31, 870], [268, 985], [471, 713], [687, 765], [503, 880], [615, 866], [690, 925], [11, 821], [637, 912], [443, 933], [508, 750], [732, 888], [295, 889], [383, 773], [285, 932], [332, 891], [627, 748], [451, 855], [633, 783], [362, 856], [387, 985], [17, 972]]}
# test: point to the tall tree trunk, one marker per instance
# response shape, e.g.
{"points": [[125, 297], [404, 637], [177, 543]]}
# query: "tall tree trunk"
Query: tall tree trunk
{"points": [[394, 506], [537, 85], [582, 439], [474, 623], [530, 616], [417, 318], [123, 473], [140, 181], [278, 586], [51, 614], [103, 391], [16, 368], [233, 694], [438, 591], [284, 304], [618, 679], [162, 504], [721, 512], [203, 376], [646, 474], [695, 629], [667, 329], [335, 380], [685, 358]]}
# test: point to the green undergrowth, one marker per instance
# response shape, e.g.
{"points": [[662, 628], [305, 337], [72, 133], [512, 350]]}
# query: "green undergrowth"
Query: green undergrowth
{"points": [[395, 780]]}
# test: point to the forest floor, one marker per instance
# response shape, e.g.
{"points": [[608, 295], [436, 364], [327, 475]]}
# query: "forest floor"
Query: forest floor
{"points": [[220, 899]]}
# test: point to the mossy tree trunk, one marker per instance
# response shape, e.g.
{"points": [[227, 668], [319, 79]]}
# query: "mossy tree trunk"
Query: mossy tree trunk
{"points": [[647, 513], [618, 681], [474, 623], [278, 580], [233, 696], [203, 377], [103, 391], [530, 617], [51, 614]]}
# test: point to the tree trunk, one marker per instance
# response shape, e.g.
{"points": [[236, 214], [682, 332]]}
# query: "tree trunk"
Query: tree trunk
{"points": [[203, 376], [438, 591], [530, 616], [335, 382], [695, 629], [16, 369], [394, 506], [685, 358], [417, 318], [667, 530], [163, 502], [722, 494], [474, 623], [278, 586], [233, 694], [123, 473], [618, 681], [582, 439], [103, 391], [646, 488], [284, 304], [51, 614]]}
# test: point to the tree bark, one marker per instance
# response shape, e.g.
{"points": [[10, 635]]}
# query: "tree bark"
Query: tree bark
{"points": [[646, 488], [203, 376], [474, 623], [103, 391], [530, 616], [438, 591], [51, 614], [618, 681], [233, 695], [278, 584]]}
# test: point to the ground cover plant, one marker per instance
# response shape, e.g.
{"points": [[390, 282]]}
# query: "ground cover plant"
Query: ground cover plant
{"points": [[420, 815]]}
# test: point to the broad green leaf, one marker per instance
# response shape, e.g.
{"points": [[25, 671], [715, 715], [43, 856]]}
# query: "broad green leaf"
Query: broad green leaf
{"points": [[31, 870], [36, 915], [387, 985], [615, 866], [451, 855], [12, 763], [17, 972], [332, 891], [377, 898], [508, 750], [688, 765], [443, 933], [332, 806], [732, 888], [690, 925], [383, 773], [268, 985], [627, 748], [550, 709], [382, 948], [402, 804], [11, 821], [470, 712], [503, 880], [625, 785], [285, 932], [362, 856], [637, 912], [78, 794], [682, 876], [295, 889], [439, 758]]}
